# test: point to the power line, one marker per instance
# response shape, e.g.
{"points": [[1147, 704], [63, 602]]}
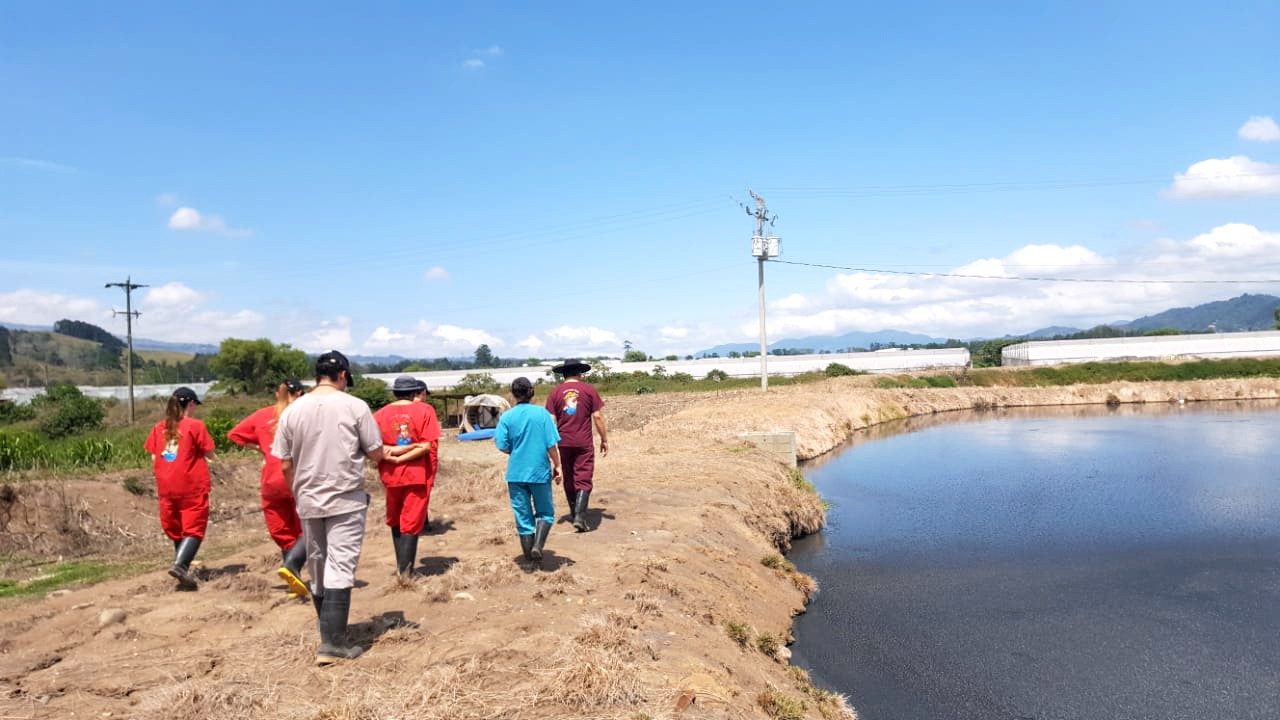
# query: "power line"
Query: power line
{"points": [[1005, 186], [1025, 278]]}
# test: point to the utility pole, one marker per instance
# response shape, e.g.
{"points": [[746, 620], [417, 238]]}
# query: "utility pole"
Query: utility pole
{"points": [[762, 248], [129, 314]]}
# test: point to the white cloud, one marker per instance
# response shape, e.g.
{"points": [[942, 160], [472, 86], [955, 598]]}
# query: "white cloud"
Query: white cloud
{"points": [[1260, 129], [186, 218], [436, 273], [37, 307], [958, 307], [173, 294], [1232, 177], [167, 200], [39, 164], [473, 64], [329, 335], [491, 51], [674, 333], [429, 340], [589, 335], [532, 343]]}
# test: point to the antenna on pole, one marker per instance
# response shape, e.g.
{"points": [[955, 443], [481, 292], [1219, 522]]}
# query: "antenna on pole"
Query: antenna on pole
{"points": [[763, 247], [129, 313]]}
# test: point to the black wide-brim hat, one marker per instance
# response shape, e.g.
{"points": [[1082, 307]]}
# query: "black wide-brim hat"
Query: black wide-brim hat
{"points": [[571, 367]]}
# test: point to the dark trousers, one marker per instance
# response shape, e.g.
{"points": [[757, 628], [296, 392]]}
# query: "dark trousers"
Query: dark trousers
{"points": [[579, 466]]}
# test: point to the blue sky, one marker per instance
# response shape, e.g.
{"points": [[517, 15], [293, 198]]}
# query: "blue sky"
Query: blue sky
{"points": [[556, 178]]}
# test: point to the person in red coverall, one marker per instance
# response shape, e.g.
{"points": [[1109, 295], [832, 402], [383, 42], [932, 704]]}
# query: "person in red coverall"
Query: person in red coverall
{"points": [[257, 431], [180, 447], [410, 433]]}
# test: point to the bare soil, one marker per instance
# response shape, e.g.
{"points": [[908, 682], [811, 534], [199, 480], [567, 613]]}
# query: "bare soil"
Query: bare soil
{"points": [[630, 620]]}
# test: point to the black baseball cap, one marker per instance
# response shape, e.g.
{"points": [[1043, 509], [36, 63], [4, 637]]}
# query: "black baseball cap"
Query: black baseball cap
{"points": [[186, 396], [294, 385], [334, 362]]}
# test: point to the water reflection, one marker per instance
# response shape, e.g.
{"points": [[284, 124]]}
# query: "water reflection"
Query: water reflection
{"points": [[1072, 562]]}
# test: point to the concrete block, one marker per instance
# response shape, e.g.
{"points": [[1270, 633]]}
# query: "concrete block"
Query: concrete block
{"points": [[780, 444]]}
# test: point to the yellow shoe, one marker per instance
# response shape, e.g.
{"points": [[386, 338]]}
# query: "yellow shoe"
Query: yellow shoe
{"points": [[296, 586]]}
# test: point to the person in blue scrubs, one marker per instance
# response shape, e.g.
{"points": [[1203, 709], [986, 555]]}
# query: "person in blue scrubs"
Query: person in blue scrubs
{"points": [[528, 434]]}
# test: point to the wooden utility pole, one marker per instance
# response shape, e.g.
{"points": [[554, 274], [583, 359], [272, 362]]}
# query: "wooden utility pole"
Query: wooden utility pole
{"points": [[129, 314]]}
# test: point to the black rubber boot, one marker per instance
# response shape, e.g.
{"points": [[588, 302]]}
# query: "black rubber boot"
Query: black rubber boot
{"points": [[570, 496], [407, 553], [526, 546], [334, 645], [580, 510], [181, 570], [541, 530], [291, 572], [399, 546]]}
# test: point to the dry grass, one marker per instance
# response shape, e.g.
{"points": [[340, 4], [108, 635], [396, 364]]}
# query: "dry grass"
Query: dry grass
{"points": [[478, 574], [598, 668], [780, 706], [646, 604]]}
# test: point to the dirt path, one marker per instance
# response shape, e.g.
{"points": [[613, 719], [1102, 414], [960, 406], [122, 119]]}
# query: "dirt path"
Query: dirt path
{"points": [[632, 620]]}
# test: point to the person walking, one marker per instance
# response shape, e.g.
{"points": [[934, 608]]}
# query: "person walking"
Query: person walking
{"points": [[577, 407], [410, 433], [278, 508], [322, 441], [527, 433], [180, 447]]}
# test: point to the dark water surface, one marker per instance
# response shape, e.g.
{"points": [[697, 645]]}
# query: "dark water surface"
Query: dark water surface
{"points": [[1074, 563]]}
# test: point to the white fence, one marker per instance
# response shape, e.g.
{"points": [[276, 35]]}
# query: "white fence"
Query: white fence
{"points": [[884, 361], [1155, 347]]}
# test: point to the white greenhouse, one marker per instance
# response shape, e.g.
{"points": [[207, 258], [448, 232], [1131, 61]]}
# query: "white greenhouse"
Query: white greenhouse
{"points": [[884, 361], [1154, 347]]}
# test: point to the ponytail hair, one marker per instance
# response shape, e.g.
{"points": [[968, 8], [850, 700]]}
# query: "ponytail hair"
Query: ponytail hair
{"points": [[173, 413], [283, 398]]}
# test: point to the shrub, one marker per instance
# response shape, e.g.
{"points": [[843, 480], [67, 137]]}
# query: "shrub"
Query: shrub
{"points": [[64, 411], [781, 706], [219, 423], [801, 482], [374, 392], [681, 378], [11, 412], [774, 561], [768, 644], [474, 384], [738, 632], [940, 381], [717, 375], [643, 390], [838, 370]]}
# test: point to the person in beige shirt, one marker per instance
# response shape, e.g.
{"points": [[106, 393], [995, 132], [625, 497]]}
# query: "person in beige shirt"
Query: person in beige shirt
{"points": [[323, 439]]}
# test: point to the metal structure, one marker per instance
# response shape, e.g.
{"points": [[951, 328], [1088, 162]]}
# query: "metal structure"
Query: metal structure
{"points": [[1152, 347], [129, 313], [762, 248]]}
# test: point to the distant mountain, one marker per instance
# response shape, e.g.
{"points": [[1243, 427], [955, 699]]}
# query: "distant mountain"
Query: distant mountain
{"points": [[1247, 312], [819, 343], [1048, 332]]}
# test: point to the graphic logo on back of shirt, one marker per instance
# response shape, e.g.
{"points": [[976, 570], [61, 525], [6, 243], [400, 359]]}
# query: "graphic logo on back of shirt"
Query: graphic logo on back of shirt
{"points": [[571, 402], [170, 451], [402, 431]]}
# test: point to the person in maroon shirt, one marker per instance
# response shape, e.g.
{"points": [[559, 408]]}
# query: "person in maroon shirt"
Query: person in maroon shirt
{"points": [[577, 407]]}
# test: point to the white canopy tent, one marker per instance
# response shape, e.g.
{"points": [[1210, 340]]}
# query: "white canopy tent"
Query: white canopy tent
{"points": [[482, 411]]}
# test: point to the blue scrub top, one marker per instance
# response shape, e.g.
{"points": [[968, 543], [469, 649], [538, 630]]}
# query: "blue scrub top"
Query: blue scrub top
{"points": [[527, 431]]}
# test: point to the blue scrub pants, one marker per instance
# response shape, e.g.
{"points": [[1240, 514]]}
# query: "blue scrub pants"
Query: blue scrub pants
{"points": [[529, 500]]}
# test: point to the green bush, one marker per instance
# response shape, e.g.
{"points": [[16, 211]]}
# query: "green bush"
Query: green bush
{"points": [[477, 384], [374, 392], [682, 378], [64, 410], [219, 422], [768, 644], [940, 381], [738, 632], [11, 413], [717, 375], [838, 370]]}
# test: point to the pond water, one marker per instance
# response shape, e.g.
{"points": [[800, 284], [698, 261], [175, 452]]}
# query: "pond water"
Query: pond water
{"points": [[1061, 563]]}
